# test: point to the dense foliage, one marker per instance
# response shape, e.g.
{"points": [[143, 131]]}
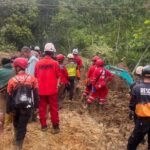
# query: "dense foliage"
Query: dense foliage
{"points": [[119, 30]]}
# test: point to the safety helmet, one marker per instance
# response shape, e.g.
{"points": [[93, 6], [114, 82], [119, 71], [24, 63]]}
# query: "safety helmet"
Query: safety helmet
{"points": [[95, 58], [70, 56], [99, 62], [146, 71], [60, 57], [20, 62], [138, 70], [36, 48], [49, 47], [75, 51]]}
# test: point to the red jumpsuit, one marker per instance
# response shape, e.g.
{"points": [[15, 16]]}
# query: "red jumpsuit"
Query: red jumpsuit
{"points": [[47, 73], [64, 79], [89, 77], [99, 85], [78, 61]]}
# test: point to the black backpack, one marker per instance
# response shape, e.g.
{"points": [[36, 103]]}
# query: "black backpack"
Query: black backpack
{"points": [[23, 95]]}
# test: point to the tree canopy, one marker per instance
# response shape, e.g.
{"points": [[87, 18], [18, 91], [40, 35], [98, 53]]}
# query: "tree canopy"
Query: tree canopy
{"points": [[119, 30]]}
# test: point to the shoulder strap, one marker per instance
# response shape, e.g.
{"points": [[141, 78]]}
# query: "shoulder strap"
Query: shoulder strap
{"points": [[24, 80], [99, 75]]}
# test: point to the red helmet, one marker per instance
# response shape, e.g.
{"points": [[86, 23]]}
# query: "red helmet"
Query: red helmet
{"points": [[95, 58], [100, 62], [60, 57], [20, 62]]}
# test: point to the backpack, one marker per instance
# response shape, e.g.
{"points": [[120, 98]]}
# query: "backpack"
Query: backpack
{"points": [[23, 95]]}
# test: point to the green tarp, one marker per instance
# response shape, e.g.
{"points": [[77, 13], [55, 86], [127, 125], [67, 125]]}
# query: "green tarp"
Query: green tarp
{"points": [[5, 74]]}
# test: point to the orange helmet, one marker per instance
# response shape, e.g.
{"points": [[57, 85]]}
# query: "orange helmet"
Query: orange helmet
{"points": [[20, 62]]}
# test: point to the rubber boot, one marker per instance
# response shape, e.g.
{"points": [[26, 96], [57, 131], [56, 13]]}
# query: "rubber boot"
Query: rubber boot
{"points": [[55, 129]]}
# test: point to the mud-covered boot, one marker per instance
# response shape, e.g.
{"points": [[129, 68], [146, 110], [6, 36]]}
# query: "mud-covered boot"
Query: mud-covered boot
{"points": [[14, 139], [55, 129], [18, 145], [90, 108], [84, 102]]}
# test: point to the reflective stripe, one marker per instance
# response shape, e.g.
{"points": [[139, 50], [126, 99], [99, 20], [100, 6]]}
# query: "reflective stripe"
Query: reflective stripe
{"points": [[143, 110]]}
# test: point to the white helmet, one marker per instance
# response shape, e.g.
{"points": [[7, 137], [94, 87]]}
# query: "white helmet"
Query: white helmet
{"points": [[37, 48], [75, 51], [138, 70], [70, 56], [49, 47]]}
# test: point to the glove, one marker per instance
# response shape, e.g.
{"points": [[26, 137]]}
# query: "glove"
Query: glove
{"points": [[131, 115], [93, 89]]}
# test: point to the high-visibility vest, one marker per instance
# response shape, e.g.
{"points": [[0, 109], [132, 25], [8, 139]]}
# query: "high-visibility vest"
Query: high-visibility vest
{"points": [[72, 69]]}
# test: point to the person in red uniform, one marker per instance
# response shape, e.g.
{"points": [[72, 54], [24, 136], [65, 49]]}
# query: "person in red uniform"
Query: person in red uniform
{"points": [[47, 73], [77, 58], [64, 79], [89, 76], [99, 81], [21, 90]]}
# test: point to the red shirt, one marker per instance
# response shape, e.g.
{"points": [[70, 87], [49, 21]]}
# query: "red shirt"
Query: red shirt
{"points": [[47, 73], [78, 60], [21, 77], [63, 74]]}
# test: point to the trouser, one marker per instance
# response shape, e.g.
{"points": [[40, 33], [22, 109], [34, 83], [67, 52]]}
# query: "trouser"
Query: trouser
{"points": [[142, 127], [71, 88], [87, 89], [20, 121], [101, 94], [61, 94], [52, 102]]}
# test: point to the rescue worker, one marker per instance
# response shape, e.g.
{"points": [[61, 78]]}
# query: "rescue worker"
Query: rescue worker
{"points": [[140, 104], [99, 81], [138, 76], [37, 49], [32, 59], [72, 72], [89, 76], [20, 101], [63, 79], [47, 73], [138, 80], [6, 72], [77, 58]]}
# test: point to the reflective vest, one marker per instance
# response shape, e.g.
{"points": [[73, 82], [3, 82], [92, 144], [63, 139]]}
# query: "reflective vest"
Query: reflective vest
{"points": [[72, 69], [141, 92]]}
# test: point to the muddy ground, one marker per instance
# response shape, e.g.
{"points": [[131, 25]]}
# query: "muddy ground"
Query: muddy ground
{"points": [[105, 129]]}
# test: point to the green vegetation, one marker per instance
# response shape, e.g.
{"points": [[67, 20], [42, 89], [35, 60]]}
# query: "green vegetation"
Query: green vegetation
{"points": [[119, 30]]}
